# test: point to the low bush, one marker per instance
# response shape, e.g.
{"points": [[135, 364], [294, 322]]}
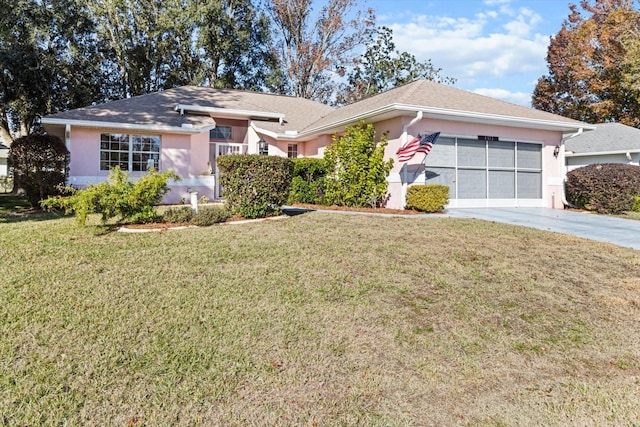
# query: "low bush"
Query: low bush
{"points": [[117, 197], [209, 215], [427, 198], [179, 215], [308, 182], [636, 204], [607, 188], [255, 186]]}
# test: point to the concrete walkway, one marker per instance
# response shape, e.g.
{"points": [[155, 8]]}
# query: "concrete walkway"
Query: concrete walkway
{"points": [[621, 232]]}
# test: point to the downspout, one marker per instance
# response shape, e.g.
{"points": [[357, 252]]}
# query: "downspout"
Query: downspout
{"points": [[405, 139], [564, 165]]}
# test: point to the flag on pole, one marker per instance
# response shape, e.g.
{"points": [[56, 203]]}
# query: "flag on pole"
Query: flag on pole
{"points": [[419, 144]]}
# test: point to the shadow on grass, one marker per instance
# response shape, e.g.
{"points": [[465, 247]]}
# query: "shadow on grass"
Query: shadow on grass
{"points": [[15, 209]]}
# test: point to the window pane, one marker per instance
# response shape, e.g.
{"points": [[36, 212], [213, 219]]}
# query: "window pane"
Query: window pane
{"points": [[221, 133], [472, 184], [443, 153], [502, 154], [529, 156], [529, 185], [502, 184], [443, 176], [292, 151], [471, 153]]}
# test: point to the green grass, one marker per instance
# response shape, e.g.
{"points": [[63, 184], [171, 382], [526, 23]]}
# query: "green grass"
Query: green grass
{"points": [[316, 320]]}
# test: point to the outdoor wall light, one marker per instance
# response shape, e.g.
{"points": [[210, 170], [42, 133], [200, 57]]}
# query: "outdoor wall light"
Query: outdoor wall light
{"points": [[263, 148], [556, 151]]}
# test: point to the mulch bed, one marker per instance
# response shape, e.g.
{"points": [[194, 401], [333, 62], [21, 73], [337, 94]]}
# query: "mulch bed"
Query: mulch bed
{"points": [[368, 210]]}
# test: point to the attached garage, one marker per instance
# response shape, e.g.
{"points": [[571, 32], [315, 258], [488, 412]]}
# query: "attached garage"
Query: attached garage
{"points": [[487, 171]]}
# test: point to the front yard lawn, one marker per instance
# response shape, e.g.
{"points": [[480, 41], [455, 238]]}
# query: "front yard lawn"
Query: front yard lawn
{"points": [[317, 319]]}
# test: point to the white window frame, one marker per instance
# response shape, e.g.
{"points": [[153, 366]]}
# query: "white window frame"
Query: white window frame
{"points": [[221, 130], [292, 151], [129, 140]]}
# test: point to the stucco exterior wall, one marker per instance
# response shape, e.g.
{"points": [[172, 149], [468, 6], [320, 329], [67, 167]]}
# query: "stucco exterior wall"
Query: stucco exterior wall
{"points": [[579, 161]]}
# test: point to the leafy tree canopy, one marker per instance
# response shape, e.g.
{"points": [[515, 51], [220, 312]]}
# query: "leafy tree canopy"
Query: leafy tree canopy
{"points": [[594, 65], [382, 67]]}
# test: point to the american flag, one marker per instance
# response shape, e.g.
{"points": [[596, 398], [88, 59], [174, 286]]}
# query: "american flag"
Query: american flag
{"points": [[419, 144]]}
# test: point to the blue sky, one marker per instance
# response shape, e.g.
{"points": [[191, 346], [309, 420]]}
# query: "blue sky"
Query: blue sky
{"points": [[492, 47]]}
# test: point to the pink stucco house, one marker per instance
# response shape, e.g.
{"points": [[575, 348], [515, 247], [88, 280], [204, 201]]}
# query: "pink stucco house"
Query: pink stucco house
{"points": [[490, 152]]}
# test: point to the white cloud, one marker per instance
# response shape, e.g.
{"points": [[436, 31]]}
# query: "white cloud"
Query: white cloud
{"points": [[480, 50], [520, 98]]}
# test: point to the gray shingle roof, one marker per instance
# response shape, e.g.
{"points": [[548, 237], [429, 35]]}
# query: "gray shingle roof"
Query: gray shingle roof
{"points": [[437, 96], [301, 115], [158, 108], [607, 137]]}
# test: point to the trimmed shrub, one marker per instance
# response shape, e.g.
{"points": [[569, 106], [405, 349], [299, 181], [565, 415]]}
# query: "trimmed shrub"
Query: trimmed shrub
{"points": [[209, 215], [307, 185], [255, 186], [427, 198], [636, 204], [179, 215], [607, 188], [357, 172], [40, 165], [117, 197]]}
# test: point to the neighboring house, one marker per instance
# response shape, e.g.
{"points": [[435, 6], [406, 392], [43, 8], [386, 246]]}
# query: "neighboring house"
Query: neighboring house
{"points": [[608, 143], [4, 156], [490, 152]]}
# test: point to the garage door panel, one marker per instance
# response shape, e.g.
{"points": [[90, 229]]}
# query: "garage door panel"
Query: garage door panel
{"points": [[502, 184], [442, 176], [472, 184]]}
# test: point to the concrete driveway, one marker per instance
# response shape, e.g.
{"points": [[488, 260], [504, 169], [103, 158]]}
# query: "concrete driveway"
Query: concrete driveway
{"points": [[621, 232]]}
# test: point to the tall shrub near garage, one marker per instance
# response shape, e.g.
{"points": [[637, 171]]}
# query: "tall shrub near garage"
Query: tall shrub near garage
{"points": [[40, 164], [255, 186], [606, 188], [308, 183], [356, 169]]}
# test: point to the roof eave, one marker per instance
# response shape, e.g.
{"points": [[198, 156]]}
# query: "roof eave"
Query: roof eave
{"points": [[393, 110], [123, 126], [230, 112], [601, 153]]}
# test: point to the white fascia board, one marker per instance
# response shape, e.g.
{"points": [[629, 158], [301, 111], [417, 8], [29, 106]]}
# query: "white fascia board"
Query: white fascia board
{"points": [[601, 153], [228, 112], [495, 118], [440, 113], [123, 126], [269, 133]]}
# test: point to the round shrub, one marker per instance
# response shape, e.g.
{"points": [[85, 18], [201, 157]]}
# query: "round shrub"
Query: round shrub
{"points": [[40, 165], [606, 188], [209, 215], [179, 215], [255, 186], [427, 198]]}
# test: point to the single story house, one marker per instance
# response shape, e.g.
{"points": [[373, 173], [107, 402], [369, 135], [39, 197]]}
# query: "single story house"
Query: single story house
{"points": [[4, 157], [608, 143], [490, 152]]}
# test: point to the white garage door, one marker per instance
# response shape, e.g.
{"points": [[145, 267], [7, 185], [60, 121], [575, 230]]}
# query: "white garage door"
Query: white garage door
{"points": [[486, 171]]}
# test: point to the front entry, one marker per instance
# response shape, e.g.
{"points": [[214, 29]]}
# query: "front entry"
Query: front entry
{"points": [[218, 149]]}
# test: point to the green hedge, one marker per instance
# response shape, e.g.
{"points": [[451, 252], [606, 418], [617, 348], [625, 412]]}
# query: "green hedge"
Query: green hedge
{"points": [[606, 188], [427, 198], [308, 182], [255, 186], [40, 164]]}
